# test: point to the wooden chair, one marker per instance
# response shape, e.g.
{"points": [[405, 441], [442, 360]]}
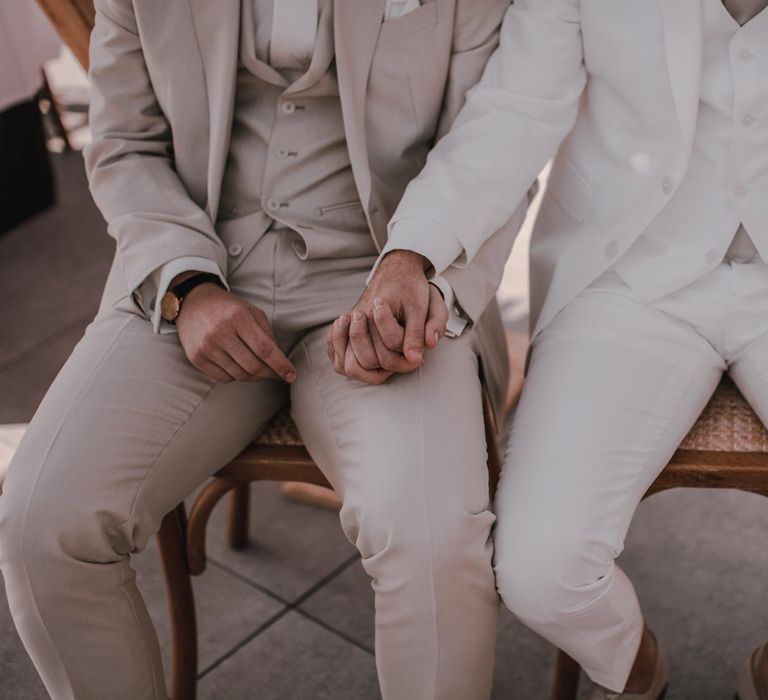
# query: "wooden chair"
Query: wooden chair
{"points": [[278, 454], [727, 448]]}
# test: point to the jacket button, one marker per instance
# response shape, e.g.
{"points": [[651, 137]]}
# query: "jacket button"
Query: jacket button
{"points": [[282, 153], [668, 185], [235, 249], [273, 204], [611, 249], [288, 107]]}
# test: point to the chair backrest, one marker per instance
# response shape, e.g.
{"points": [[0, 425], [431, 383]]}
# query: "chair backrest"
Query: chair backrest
{"points": [[73, 20]]}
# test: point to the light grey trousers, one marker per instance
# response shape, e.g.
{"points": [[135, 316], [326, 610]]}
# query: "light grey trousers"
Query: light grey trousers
{"points": [[614, 385], [129, 428]]}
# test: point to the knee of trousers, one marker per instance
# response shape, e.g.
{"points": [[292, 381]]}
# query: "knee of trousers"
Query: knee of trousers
{"points": [[546, 580], [408, 538], [42, 531]]}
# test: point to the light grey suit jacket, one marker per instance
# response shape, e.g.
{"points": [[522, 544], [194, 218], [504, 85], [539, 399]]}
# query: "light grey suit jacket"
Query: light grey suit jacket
{"points": [[163, 77]]}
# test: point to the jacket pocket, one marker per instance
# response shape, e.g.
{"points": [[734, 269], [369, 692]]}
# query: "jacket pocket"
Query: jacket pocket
{"points": [[571, 189], [423, 18], [337, 208]]}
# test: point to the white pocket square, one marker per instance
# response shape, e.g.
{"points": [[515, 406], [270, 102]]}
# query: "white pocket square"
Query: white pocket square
{"points": [[400, 8]]}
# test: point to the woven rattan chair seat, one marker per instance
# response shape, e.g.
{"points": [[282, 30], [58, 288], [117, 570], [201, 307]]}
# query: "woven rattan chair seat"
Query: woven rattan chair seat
{"points": [[728, 424], [280, 431]]}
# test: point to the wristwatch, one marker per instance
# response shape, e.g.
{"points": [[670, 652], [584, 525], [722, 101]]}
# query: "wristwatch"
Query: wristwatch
{"points": [[170, 304]]}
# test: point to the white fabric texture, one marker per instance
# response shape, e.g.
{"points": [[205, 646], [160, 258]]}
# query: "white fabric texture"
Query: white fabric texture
{"points": [[614, 385]]}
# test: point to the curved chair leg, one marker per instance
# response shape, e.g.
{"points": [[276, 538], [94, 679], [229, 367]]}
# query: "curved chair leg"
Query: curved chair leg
{"points": [[172, 539], [199, 515], [566, 682], [237, 528]]}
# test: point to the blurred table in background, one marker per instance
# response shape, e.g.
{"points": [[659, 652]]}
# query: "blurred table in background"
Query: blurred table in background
{"points": [[26, 42]]}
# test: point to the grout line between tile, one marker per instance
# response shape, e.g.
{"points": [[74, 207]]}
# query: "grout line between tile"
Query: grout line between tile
{"points": [[288, 607], [331, 628]]}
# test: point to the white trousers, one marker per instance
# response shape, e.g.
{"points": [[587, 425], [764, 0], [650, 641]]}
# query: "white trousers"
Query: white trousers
{"points": [[614, 385], [129, 428]]}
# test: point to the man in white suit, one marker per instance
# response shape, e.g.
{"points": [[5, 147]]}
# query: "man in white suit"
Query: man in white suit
{"points": [[649, 280], [247, 156]]}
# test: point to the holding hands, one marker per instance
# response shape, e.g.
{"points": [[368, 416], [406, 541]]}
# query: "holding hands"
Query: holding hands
{"points": [[387, 331]]}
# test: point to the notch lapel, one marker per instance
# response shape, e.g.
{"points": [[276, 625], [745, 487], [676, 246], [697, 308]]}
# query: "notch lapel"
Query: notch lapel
{"points": [[683, 36], [356, 29], [217, 29]]}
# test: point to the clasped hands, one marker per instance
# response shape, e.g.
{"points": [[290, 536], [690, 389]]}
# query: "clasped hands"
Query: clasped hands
{"points": [[399, 316]]}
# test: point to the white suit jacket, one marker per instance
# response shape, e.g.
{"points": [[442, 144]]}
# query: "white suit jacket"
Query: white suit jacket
{"points": [[612, 84]]}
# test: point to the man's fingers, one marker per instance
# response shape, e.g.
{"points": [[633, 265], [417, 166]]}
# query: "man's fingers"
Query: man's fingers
{"points": [[353, 370], [361, 342], [213, 371], [390, 331], [415, 322], [254, 367], [437, 317], [389, 360], [264, 346], [224, 360], [339, 341]]}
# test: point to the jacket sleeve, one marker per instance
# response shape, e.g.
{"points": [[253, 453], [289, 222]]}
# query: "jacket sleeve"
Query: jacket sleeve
{"points": [[472, 193], [130, 163]]}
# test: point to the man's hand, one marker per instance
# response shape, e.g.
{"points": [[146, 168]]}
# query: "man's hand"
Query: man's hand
{"points": [[229, 339], [387, 330]]}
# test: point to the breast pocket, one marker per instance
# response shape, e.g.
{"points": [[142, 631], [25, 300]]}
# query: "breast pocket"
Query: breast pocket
{"points": [[409, 24]]}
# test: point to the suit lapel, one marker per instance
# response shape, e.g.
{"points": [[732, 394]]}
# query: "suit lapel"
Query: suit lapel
{"points": [[217, 26], [356, 29], [683, 36]]}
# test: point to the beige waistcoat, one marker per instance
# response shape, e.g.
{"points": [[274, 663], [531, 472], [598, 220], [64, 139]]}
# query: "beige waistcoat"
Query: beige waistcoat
{"points": [[288, 163]]}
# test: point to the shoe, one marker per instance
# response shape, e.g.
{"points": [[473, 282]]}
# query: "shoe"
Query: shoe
{"points": [[747, 689], [658, 688]]}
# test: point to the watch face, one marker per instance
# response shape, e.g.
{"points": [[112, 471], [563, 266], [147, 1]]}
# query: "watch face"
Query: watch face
{"points": [[169, 306]]}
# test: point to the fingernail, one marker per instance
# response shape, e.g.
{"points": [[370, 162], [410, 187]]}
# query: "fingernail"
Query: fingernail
{"points": [[414, 355], [291, 376], [343, 320], [437, 337], [378, 303], [358, 316]]}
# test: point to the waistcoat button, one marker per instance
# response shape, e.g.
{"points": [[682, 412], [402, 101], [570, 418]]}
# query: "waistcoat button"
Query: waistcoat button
{"points": [[611, 249], [739, 191], [235, 249], [288, 107], [282, 153], [668, 185], [273, 204], [747, 120]]}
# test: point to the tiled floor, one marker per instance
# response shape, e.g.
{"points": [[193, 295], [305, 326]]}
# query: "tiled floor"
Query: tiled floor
{"points": [[291, 617]]}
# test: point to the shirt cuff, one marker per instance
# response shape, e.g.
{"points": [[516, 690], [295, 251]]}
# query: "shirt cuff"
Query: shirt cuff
{"points": [[457, 320], [426, 238], [164, 276]]}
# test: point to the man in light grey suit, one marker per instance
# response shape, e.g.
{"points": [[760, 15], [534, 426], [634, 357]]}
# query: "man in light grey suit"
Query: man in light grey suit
{"points": [[247, 157]]}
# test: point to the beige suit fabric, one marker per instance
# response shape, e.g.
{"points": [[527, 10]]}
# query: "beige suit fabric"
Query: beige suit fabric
{"points": [[129, 428]]}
